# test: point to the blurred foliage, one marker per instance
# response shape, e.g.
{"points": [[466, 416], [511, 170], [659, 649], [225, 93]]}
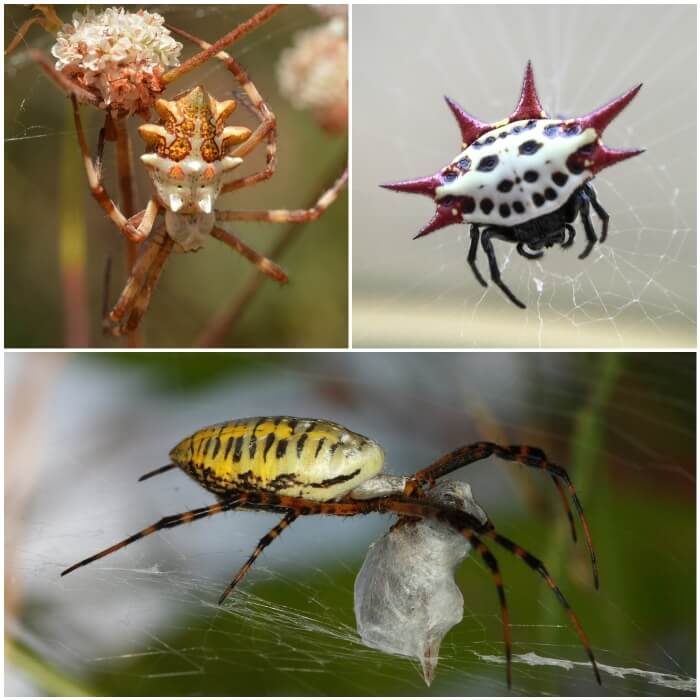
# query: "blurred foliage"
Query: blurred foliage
{"points": [[184, 372], [310, 311]]}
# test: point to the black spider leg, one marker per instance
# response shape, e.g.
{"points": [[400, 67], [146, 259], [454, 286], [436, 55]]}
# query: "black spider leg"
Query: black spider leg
{"points": [[526, 254], [273, 534], [493, 264], [604, 216], [584, 209], [471, 258], [571, 231]]}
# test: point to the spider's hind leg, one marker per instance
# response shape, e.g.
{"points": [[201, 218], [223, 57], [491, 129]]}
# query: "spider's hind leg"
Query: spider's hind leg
{"points": [[493, 265]]}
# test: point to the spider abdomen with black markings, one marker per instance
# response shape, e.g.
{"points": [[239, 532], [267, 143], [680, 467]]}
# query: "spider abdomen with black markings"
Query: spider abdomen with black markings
{"points": [[524, 179], [299, 457]]}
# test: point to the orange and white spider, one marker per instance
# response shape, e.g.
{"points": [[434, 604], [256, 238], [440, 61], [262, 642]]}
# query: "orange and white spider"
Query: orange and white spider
{"points": [[191, 153]]}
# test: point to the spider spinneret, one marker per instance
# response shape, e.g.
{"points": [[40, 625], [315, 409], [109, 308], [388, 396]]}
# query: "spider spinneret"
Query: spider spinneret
{"points": [[308, 466], [524, 179]]}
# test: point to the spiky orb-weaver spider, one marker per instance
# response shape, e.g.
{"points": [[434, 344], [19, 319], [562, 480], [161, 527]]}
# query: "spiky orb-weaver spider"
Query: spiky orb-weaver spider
{"points": [[307, 466], [120, 62], [524, 179]]}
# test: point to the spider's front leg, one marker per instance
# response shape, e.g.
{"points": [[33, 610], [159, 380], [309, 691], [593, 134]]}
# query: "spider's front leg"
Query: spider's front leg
{"points": [[265, 130], [97, 188]]}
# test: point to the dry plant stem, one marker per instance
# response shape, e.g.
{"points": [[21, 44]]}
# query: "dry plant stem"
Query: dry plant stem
{"points": [[72, 241], [225, 320], [242, 29], [126, 200]]}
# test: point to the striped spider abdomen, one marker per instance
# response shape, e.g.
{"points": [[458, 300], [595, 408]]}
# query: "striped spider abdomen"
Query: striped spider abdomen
{"points": [[299, 457]]}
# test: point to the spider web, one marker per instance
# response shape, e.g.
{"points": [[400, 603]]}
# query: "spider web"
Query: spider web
{"points": [[638, 289], [145, 621]]}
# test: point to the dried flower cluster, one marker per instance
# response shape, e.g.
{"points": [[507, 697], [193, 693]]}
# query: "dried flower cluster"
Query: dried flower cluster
{"points": [[118, 56], [313, 74]]}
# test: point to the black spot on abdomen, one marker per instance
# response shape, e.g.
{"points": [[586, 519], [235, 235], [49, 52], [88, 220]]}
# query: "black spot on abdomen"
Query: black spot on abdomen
{"points": [[529, 148], [486, 205], [505, 185]]}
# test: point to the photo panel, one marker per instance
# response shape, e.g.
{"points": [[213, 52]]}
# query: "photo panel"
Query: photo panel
{"points": [[125, 148], [532, 230], [469, 475]]}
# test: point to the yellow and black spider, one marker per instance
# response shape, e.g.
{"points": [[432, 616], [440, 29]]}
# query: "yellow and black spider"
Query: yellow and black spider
{"points": [[306, 466]]}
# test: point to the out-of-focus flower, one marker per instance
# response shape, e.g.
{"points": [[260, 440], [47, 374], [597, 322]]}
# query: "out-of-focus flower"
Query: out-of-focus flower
{"points": [[118, 56], [313, 74]]}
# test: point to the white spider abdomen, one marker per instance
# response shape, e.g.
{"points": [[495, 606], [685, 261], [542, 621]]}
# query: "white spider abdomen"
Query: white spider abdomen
{"points": [[517, 172]]}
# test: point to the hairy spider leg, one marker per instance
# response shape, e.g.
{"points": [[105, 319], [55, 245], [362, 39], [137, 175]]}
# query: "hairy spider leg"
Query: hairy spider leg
{"points": [[471, 258], [134, 299], [535, 564], [493, 264], [97, 188], [273, 534], [265, 265], [249, 25], [284, 216], [522, 454], [604, 216], [463, 522], [265, 130]]}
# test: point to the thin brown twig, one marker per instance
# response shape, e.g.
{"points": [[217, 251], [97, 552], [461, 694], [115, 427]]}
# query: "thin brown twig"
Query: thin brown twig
{"points": [[224, 321], [128, 207]]}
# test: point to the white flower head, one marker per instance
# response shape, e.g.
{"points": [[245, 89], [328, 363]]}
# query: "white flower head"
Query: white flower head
{"points": [[117, 55], [314, 73]]}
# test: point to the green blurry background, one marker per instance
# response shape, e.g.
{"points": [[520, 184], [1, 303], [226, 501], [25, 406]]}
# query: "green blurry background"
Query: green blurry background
{"points": [[80, 429], [45, 182]]}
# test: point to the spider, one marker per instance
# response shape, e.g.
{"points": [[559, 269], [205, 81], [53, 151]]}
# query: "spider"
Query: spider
{"points": [[524, 179], [190, 155], [306, 466]]}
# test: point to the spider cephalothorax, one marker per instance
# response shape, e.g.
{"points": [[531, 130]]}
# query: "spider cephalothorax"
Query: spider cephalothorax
{"points": [[525, 178], [188, 160]]}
